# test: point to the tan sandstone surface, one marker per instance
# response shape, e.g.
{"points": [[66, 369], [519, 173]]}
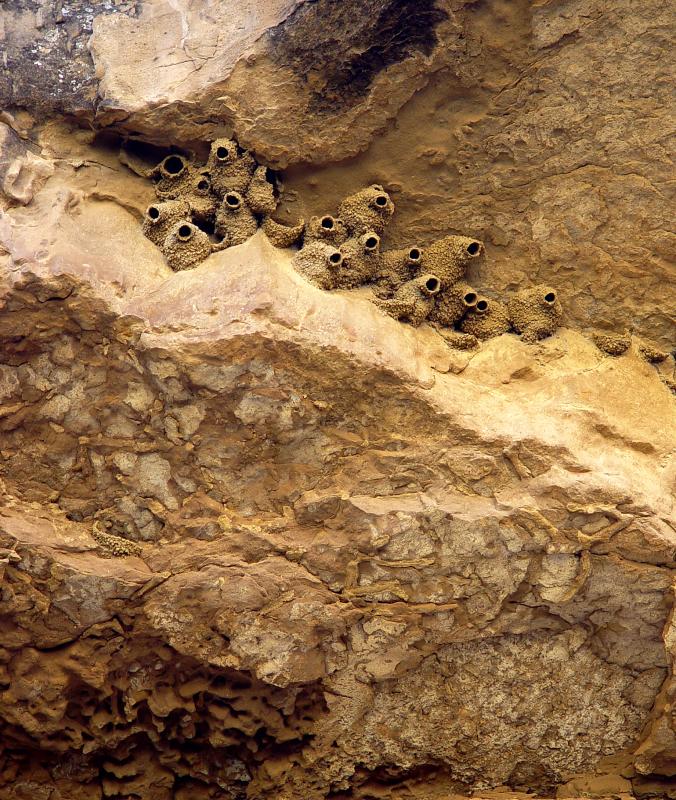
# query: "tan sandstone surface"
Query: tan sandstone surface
{"points": [[260, 540], [542, 128]]}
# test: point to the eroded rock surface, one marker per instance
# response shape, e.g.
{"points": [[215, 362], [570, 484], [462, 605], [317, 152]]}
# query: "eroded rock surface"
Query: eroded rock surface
{"points": [[259, 540], [542, 130], [342, 537]]}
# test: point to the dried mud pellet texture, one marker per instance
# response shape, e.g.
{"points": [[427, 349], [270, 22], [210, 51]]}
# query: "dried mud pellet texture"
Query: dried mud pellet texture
{"points": [[651, 353], [282, 235], [260, 194], [226, 196], [413, 301], [367, 210], [174, 176], [203, 202], [112, 545], [234, 221], [185, 246], [613, 344], [373, 566], [326, 228], [448, 258], [229, 169], [361, 260], [535, 313], [452, 303], [397, 267], [161, 217], [488, 318], [320, 264]]}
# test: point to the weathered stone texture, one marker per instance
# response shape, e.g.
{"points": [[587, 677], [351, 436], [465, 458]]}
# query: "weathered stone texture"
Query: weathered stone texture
{"points": [[339, 517], [543, 130], [261, 540]]}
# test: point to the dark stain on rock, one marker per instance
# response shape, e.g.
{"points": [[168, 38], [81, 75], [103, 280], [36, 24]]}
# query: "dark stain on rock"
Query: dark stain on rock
{"points": [[45, 64], [339, 47]]}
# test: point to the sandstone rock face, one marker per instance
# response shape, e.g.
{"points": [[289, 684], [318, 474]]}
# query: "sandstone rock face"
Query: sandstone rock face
{"points": [[542, 130], [259, 540]]}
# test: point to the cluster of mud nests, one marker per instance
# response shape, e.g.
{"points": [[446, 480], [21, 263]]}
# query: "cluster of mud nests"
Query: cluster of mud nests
{"points": [[228, 196], [205, 206], [415, 283]]}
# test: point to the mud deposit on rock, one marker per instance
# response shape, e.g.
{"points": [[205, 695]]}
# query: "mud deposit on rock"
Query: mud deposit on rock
{"points": [[337, 428]]}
